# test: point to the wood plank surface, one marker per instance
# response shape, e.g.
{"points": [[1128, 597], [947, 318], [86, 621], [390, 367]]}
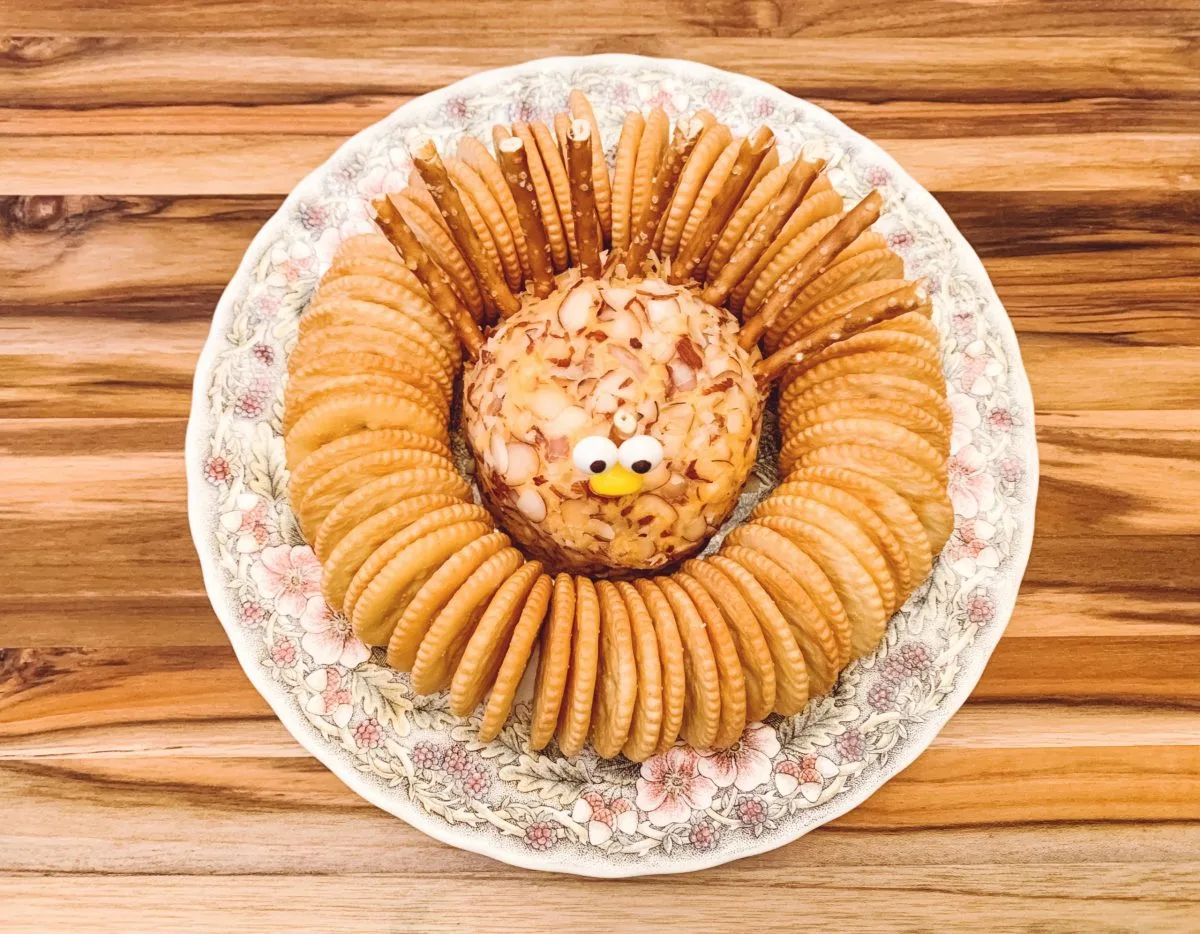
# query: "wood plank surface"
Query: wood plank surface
{"points": [[148, 786]]}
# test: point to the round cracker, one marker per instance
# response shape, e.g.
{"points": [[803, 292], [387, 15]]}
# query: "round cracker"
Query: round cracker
{"points": [[651, 147], [386, 491], [670, 655], [384, 553], [729, 666], [753, 652], [301, 395], [350, 446], [702, 711], [802, 567], [787, 257], [331, 488], [646, 723], [434, 594], [372, 244], [481, 659], [516, 660], [347, 414], [366, 339], [342, 310], [390, 269], [855, 387], [819, 203], [616, 674], [892, 508], [475, 154], [622, 183], [446, 641], [343, 562], [427, 225], [874, 364], [726, 577], [353, 363], [544, 192], [793, 502], [840, 304], [581, 109], [924, 492], [492, 219], [387, 595], [916, 420], [575, 718], [856, 585], [888, 435], [371, 287], [560, 184], [808, 626], [554, 660], [713, 182], [919, 321], [867, 266], [707, 150]]}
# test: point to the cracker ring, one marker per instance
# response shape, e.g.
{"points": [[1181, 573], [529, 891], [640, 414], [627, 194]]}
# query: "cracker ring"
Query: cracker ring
{"points": [[300, 396], [389, 592], [875, 432], [867, 386], [616, 674], [434, 594], [355, 362], [575, 717], [916, 322], [732, 582], [516, 659], [730, 674], [372, 267], [622, 183], [446, 641], [841, 303], [560, 185], [343, 415], [652, 146], [481, 659], [554, 660], [876, 364], [646, 723], [360, 338], [379, 558], [702, 711], [875, 337], [753, 651], [914, 418], [670, 654]]}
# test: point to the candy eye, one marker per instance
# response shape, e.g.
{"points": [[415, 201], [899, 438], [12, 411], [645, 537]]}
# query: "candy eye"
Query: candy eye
{"points": [[641, 453], [594, 454]]}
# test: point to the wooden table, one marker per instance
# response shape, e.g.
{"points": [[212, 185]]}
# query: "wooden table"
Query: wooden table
{"points": [[145, 785]]}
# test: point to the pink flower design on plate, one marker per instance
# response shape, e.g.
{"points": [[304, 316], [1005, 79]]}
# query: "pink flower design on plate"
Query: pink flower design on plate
{"points": [[965, 410], [808, 774], [1011, 469], [877, 176], [328, 637], [1001, 419], [369, 734], [283, 652], [289, 575], [717, 99], [761, 108], [332, 699], [540, 835], [900, 241], [746, 764], [252, 522], [972, 489], [217, 470], [970, 547], [671, 787], [603, 815], [981, 608]]}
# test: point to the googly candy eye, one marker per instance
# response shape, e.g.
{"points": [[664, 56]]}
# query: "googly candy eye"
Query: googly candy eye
{"points": [[641, 453], [594, 454]]}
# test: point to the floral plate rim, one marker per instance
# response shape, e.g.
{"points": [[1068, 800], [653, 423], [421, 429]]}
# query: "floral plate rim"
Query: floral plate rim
{"points": [[464, 837]]}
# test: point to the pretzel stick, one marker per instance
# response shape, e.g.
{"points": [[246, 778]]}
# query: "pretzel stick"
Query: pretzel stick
{"points": [[878, 310], [750, 155], [514, 162], [814, 262], [435, 280], [683, 141], [583, 197], [450, 204], [800, 179]]}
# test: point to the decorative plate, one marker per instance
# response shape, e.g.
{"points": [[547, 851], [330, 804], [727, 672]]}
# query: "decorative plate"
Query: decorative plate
{"points": [[683, 810]]}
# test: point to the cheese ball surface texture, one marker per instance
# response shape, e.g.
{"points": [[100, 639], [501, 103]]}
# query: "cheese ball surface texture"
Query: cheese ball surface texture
{"points": [[557, 407]]}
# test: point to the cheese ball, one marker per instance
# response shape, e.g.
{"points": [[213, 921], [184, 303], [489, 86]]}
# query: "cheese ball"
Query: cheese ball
{"points": [[613, 424]]}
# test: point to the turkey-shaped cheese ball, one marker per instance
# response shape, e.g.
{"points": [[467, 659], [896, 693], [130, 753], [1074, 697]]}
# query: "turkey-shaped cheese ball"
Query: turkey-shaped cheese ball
{"points": [[613, 424]]}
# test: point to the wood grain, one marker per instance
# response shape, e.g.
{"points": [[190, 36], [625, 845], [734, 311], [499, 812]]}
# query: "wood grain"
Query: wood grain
{"points": [[147, 785]]}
